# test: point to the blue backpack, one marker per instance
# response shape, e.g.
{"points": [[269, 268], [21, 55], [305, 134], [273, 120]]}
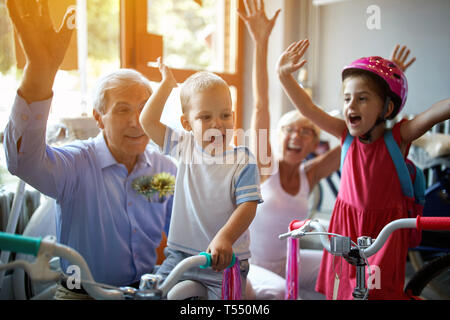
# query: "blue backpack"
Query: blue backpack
{"points": [[411, 178]]}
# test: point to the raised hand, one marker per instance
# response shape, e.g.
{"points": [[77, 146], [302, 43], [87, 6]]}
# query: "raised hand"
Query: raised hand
{"points": [[258, 25], [289, 60], [43, 46], [399, 57], [166, 73]]}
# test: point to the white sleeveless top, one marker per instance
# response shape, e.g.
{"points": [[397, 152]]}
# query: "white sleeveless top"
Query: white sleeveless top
{"points": [[273, 218]]}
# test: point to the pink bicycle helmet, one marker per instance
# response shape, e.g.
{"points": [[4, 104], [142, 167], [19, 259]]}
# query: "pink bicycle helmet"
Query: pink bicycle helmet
{"points": [[389, 72]]}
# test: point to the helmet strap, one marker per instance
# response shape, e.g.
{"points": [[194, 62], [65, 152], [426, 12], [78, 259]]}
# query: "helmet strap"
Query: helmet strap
{"points": [[367, 137]]}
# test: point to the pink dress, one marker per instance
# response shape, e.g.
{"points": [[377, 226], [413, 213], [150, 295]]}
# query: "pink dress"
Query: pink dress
{"points": [[370, 196]]}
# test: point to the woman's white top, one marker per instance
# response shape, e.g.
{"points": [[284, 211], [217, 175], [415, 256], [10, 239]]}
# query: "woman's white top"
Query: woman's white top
{"points": [[273, 218]]}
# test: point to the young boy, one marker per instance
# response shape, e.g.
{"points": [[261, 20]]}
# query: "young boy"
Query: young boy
{"points": [[217, 185]]}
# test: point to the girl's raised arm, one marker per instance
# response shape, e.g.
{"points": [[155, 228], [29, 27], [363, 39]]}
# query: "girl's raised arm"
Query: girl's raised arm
{"points": [[438, 112], [289, 62]]}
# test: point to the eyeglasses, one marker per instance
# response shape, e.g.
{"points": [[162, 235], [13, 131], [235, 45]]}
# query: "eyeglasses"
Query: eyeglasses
{"points": [[302, 131]]}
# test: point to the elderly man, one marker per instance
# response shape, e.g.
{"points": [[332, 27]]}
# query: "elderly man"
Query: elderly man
{"points": [[100, 213]]}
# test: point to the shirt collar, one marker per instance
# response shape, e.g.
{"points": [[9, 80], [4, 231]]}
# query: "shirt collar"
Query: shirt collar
{"points": [[106, 159]]}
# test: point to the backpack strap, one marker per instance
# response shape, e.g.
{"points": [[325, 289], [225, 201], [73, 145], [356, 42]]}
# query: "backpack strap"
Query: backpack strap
{"points": [[400, 165], [419, 183], [396, 156], [347, 142]]}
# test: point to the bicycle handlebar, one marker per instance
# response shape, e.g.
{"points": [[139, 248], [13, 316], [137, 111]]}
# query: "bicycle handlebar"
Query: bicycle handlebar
{"points": [[202, 260], [18, 243], [39, 246], [302, 228], [433, 223]]}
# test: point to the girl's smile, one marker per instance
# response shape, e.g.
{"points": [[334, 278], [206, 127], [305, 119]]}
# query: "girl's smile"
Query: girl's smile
{"points": [[362, 106]]}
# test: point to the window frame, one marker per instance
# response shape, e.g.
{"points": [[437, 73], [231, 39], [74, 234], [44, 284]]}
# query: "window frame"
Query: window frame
{"points": [[137, 47]]}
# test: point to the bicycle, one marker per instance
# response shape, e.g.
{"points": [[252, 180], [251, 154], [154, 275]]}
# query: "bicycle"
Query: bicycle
{"points": [[151, 286], [431, 259], [357, 253]]}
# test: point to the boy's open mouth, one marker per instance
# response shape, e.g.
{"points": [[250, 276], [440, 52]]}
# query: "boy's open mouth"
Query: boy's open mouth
{"points": [[217, 139]]}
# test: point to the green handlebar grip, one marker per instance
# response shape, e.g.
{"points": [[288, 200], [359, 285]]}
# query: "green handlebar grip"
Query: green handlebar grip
{"points": [[209, 261], [18, 243]]}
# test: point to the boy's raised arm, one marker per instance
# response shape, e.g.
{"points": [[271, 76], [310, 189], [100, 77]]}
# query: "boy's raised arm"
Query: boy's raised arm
{"points": [[151, 114]]}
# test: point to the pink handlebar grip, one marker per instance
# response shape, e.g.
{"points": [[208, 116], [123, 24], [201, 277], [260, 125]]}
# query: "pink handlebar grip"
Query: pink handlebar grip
{"points": [[296, 224], [433, 223]]}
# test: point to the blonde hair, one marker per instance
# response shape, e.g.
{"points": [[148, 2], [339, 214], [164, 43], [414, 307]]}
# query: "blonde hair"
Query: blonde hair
{"points": [[199, 82], [119, 79]]}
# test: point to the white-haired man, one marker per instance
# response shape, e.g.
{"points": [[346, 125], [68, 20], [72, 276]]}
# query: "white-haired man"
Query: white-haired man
{"points": [[99, 213]]}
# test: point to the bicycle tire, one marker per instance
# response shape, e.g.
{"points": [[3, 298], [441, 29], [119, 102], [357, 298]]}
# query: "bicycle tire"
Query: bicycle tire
{"points": [[427, 274]]}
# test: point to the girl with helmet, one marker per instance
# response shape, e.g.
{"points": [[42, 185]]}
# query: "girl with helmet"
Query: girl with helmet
{"points": [[370, 196]]}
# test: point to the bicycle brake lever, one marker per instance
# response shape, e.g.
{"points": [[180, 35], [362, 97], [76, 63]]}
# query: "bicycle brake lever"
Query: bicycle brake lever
{"points": [[298, 233], [40, 270]]}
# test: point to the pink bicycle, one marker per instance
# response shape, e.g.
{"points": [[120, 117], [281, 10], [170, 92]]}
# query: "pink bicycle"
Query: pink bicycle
{"points": [[357, 253]]}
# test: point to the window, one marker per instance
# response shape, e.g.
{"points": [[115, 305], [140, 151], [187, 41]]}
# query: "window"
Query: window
{"points": [[190, 35], [196, 34], [73, 85]]}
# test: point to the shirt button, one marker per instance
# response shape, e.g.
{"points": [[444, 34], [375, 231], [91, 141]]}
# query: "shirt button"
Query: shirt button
{"points": [[39, 117], [24, 117], [129, 203], [134, 230]]}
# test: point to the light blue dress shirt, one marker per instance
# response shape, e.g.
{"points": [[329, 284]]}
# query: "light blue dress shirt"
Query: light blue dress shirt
{"points": [[99, 214]]}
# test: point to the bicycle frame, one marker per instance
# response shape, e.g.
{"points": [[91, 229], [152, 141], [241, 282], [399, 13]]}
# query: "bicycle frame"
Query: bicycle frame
{"points": [[365, 247]]}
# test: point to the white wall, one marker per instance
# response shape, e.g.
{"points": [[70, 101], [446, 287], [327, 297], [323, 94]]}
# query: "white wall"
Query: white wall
{"points": [[342, 36], [424, 26], [338, 34]]}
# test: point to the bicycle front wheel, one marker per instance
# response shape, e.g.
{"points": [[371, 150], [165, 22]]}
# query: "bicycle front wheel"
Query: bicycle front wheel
{"points": [[436, 272]]}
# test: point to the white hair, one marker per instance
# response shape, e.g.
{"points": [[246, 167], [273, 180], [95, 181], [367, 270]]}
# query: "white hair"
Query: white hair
{"points": [[199, 82], [294, 116], [287, 119], [123, 79]]}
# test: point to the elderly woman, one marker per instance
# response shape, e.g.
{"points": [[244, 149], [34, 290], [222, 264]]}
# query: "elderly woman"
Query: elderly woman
{"points": [[286, 178]]}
